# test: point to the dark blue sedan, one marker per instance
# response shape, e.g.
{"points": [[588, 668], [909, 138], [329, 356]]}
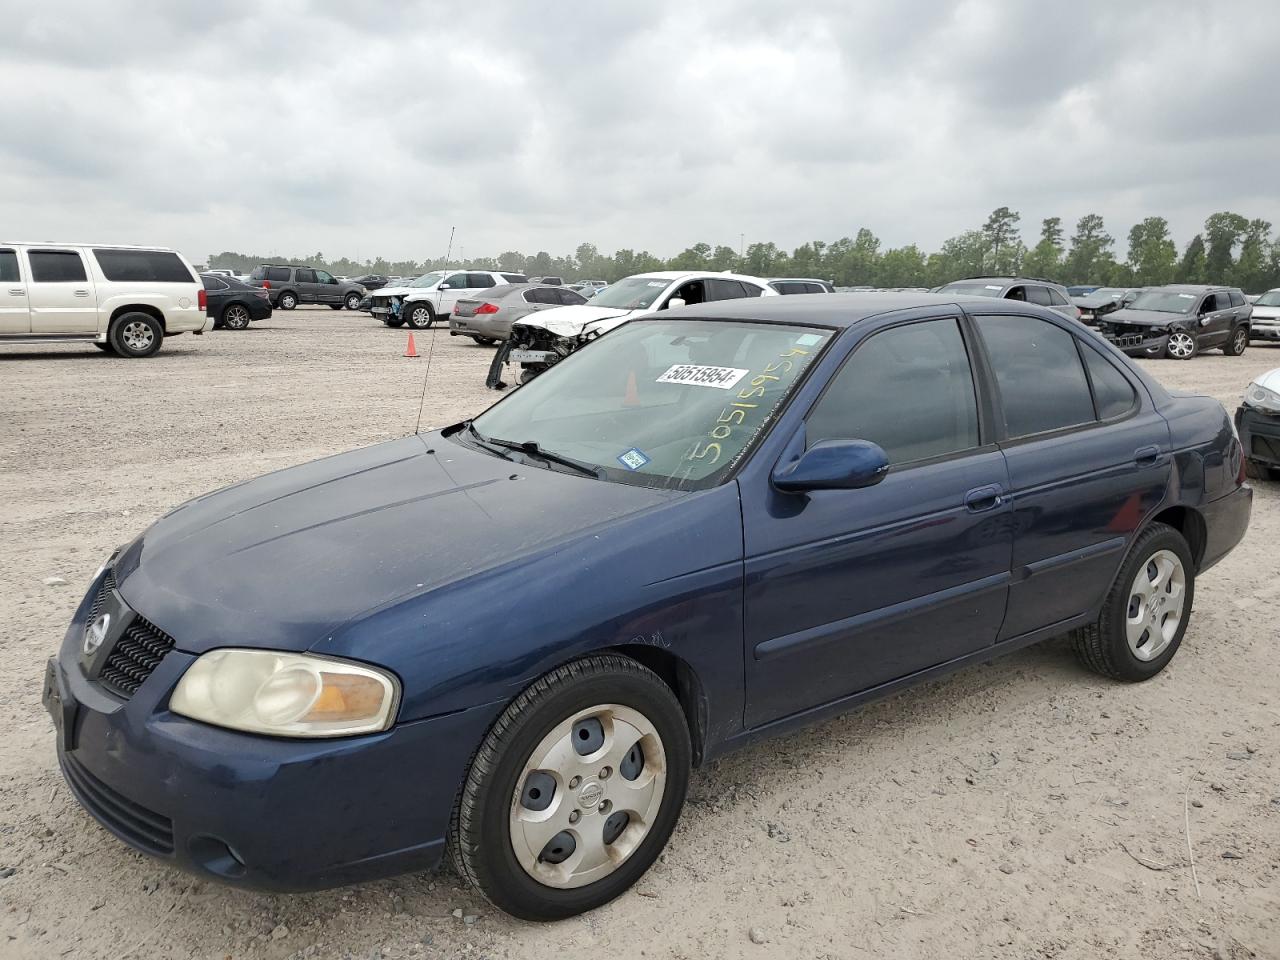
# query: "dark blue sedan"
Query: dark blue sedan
{"points": [[513, 638]]}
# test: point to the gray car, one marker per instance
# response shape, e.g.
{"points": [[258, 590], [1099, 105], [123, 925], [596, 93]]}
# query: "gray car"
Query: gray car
{"points": [[488, 319], [1026, 289], [1179, 320], [289, 286]]}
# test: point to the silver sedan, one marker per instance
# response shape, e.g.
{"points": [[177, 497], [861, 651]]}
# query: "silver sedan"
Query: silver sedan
{"points": [[487, 316]]}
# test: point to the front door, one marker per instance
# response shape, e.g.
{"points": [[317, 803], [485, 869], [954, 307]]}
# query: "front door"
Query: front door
{"points": [[15, 312], [60, 292], [846, 590], [1084, 470], [304, 282], [327, 288]]}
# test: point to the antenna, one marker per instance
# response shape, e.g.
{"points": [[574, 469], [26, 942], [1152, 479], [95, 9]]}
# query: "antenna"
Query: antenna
{"points": [[431, 347]]}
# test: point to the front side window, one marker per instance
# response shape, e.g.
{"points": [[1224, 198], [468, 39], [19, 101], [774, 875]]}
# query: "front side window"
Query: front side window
{"points": [[909, 389], [323, 276], [1210, 303], [142, 266], [427, 279], [9, 272], [1042, 382], [672, 403], [457, 281], [56, 266]]}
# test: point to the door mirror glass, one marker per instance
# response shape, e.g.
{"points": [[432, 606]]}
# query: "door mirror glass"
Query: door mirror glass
{"points": [[675, 303], [833, 465]]}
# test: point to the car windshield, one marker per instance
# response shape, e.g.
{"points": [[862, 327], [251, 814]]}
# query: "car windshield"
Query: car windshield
{"points": [[427, 279], [1164, 301], [974, 289], [1269, 299], [633, 293], [669, 403], [1112, 293]]}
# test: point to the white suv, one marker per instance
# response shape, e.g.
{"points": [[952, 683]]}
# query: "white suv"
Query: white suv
{"points": [[432, 296], [123, 299]]}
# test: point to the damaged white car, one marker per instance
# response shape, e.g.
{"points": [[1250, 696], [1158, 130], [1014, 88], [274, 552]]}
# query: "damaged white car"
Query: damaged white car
{"points": [[1258, 423], [542, 340]]}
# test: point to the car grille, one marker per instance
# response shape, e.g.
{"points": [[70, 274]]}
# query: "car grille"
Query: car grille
{"points": [[139, 826], [134, 657]]}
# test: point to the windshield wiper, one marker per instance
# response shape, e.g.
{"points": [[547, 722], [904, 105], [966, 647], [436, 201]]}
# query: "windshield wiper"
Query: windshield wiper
{"points": [[480, 440], [531, 448]]}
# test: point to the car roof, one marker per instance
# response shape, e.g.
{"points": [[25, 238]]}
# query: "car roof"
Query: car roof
{"points": [[1192, 287], [1006, 280], [81, 243], [691, 274], [838, 309], [795, 280]]}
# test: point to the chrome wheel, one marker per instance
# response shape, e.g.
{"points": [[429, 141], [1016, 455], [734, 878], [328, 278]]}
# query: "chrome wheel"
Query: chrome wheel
{"points": [[1241, 342], [1157, 600], [353, 302], [420, 317], [1181, 345], [288, 301], [588, 796], [137, 336], [236, 317]]}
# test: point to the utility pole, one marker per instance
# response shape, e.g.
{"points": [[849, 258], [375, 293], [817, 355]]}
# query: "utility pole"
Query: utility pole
{"points": [[742, 246]]}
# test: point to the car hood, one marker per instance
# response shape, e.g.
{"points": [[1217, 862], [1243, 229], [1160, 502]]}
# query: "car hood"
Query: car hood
{"points": [[1090, 302], [574, 321], [1266, 313], [1147, 318], [1270, 380], [399, 291], [284, 560]]}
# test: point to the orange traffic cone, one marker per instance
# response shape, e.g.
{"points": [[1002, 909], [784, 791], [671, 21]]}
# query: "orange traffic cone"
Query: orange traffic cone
{"points": [[410, 350], [632, 398]]}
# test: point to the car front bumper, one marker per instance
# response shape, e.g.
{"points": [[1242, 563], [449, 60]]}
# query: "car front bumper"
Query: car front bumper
{"points": [[1259, 435], [261, 812], [1265, 331], [1138, 344]]}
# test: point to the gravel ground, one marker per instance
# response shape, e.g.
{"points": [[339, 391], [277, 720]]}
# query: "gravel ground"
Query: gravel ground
{"points": [[1020, 809]]}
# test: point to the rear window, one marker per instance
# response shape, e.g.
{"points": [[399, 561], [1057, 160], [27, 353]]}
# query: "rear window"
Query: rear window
{"points": [[142, 266]]}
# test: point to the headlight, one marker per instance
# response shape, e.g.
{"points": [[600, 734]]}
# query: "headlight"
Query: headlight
{"points": [[286, 694], [1262, 398]]}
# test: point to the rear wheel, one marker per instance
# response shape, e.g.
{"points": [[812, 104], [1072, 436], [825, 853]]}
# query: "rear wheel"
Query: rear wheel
{"points": [[287, 301], [1237, 343], [418, 315], [1181, 345], [235, 317], [575, 790], [136, 335], [352, 302], [1147, 611]]}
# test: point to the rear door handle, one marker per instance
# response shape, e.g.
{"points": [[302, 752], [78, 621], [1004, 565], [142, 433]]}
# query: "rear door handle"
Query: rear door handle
{"points": [[82, 293], [16, 292], [1146, 456], [980, 499]]}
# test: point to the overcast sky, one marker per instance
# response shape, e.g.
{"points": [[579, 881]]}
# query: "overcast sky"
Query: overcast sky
{"points": [[291, 127]]}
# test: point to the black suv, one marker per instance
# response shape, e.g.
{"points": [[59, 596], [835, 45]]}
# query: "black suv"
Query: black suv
{"points": [[1180, 320], [289, 286]]}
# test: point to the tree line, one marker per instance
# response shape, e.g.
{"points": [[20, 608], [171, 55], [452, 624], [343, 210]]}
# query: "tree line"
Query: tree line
{"points": [[1231, 249]]}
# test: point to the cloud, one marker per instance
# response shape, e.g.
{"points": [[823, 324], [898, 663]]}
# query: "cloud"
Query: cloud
{"points": [[374, 128]]}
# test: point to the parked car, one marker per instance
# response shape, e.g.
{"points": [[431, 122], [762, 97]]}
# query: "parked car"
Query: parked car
{"points": [[793, 285], [1180, 320], [710, 527], [1258, 422], [487, 317], [539, 342], [1045, 293], [121, 299], [232, 304], [549, 281], [598, 284], [287, 286], [431, 297], [1264, 321], [1081, 290], [371, 281], [1103, 301]]}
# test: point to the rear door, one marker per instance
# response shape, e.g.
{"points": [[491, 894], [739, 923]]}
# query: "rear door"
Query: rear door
{"points": [[62, 297], [15, 312], [720, 289], [304, 284]]}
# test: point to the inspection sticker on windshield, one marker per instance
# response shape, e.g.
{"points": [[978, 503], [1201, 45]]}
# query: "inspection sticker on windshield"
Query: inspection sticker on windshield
{"points": [[722, 377], [808, 340], [633, 459]]}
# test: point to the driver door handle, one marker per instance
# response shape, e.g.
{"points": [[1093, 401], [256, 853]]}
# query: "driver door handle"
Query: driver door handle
{"points": [[981, 499]]}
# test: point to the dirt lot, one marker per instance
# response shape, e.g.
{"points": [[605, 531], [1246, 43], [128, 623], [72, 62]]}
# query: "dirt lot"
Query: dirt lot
{"points": [[1021, 809]]}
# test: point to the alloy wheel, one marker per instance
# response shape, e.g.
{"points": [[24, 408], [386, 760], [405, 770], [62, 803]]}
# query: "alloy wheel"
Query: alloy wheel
{"points": [[137, 336], [1157, 599], [1181, 345], [236, 317]]}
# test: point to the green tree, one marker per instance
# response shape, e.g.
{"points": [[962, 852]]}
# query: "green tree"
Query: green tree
{"points": [[853, 262], [1001, 233], [511, 261], [697, 257], [960, 257], [724, 258], [1252, 271], [1192, 269], [1153, 256], [902, 267], [1090, 255], [766, 260], [1045, 258], [1222, 231]]}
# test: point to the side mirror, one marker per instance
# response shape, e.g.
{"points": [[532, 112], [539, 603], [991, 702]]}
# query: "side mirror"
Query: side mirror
{"points": [[833, 465], [675, 303]]}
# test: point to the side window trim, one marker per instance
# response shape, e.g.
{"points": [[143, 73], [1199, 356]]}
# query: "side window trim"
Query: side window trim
{"points": [[1134, 407]]}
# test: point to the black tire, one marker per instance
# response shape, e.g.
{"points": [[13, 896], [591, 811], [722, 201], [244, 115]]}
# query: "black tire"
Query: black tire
{"points": [[353, 301], [288, 300], [335, 306], [1237, 343], [235, 316], [528, 373], [420, 316], [1173, 349], [1103, 646], [484, 341], [105, 347], [394, 322], [135, 335], [480, 831]]}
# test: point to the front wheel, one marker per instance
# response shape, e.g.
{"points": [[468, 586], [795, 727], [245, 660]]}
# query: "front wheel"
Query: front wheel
{"points": [[1146, 613], [418, 315], [1237, 343], [136, 335], [575, 790], [1181, 345]]}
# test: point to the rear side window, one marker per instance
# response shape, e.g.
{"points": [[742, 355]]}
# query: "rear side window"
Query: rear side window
{"points": [[1042, 382], [213, 283], [480, 281], [1113, 394], [541, 295], [751, 290], [723, 289], [142, 266], [515, 278], [259, 273], [1056, 299], [9, 267], [56, 266], [304, 276], [909, 389], [570, 298], [786, 289], [1237, 298], [277, 274], [1038, 295]]}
